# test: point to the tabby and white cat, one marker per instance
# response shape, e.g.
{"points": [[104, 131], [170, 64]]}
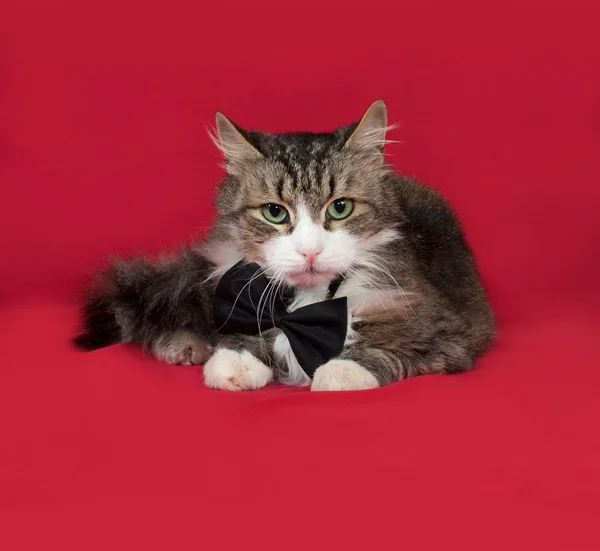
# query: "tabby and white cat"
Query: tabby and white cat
{"points": [[308, 207]]}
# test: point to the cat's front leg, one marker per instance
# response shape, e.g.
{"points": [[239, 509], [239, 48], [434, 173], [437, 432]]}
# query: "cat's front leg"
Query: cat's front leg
{"points": [[240, 363], [357, 369]]}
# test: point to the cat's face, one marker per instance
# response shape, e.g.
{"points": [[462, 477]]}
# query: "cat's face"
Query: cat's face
{"points": [[307, 207]]}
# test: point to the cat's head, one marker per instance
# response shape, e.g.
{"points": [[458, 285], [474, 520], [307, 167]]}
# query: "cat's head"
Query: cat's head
{"points": [[306, 206]]}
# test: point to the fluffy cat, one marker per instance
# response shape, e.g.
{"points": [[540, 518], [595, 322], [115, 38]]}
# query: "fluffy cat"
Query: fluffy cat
{"points": [[308, 207]]}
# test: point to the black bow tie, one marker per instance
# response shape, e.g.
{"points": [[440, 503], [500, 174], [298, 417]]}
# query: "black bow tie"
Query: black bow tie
{"points": [[247, 302]]}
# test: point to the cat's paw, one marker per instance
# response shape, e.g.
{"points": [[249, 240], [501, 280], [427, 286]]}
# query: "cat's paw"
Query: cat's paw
{"points": [[343, 375], [182, 348], [231, 370]]}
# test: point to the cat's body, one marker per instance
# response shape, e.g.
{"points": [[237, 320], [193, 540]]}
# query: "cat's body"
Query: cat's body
{"points": [[308, 208]]}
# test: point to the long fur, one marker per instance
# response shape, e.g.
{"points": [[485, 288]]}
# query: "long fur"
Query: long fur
{"points": [[140, 301], [416, 300]]}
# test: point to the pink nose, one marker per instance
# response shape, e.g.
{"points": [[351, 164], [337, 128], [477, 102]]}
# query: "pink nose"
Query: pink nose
{"points": [[311, 256]]}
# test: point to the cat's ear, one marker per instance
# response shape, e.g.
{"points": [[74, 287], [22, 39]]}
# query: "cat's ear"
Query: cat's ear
{"points": [[369, 134], [235, 147]]}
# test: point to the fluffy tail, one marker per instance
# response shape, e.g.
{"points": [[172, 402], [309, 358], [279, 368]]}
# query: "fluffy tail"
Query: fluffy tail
{"points": [[139, 301], [100, 327]]}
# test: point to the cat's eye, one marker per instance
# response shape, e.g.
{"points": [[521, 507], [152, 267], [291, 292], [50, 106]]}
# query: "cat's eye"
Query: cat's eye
{"points": [[276, 214], [340, 209]]}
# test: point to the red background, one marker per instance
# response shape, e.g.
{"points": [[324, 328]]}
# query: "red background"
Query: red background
{"points": [[103, 149]]}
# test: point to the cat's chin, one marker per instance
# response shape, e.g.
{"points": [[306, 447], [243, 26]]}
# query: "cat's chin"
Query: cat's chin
{"points": [[310, 278]]}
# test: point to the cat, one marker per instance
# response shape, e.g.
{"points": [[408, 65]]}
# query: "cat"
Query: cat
{"points": [[309, 208]]}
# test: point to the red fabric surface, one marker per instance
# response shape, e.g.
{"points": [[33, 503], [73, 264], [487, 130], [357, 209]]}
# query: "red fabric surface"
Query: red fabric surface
{"points": [[103, 108]]}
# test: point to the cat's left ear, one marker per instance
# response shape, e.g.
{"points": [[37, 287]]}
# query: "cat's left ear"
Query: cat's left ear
{"points": [[369, 134]]}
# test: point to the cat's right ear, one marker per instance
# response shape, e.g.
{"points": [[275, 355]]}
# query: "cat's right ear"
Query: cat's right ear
{"points": [[236, 149], [369, 134]]}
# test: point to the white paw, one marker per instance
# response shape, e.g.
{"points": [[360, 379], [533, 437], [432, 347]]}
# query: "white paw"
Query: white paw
{"points": [[231, 370], [182, 348], [343, 375]]}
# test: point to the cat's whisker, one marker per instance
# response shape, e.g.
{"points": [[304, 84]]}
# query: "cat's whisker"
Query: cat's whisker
{"points": [[256, 275], [271, 289], [258, 312], [354, 272], [376, 266], [267, 290], [279, 284]]}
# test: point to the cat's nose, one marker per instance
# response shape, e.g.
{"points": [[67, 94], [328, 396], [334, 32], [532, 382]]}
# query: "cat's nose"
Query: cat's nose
{"points": [[310, 255]]}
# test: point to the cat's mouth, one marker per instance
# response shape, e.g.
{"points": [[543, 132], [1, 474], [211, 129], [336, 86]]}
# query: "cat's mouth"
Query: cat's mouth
{"points": [[311, 276]]}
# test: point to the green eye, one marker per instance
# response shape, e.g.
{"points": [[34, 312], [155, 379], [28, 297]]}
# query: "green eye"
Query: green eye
{"points": [[340, 209], [276, 214]]}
